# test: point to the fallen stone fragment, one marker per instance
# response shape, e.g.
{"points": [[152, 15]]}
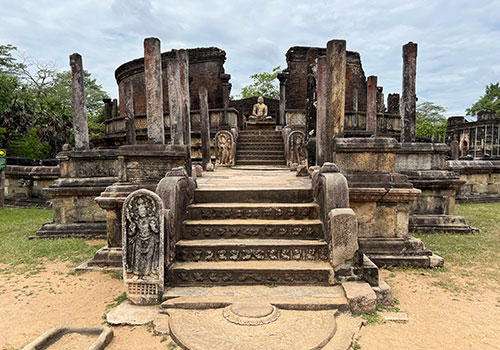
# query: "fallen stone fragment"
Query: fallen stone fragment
{"points": [[399, 317], [361, 297], [302, 171]]}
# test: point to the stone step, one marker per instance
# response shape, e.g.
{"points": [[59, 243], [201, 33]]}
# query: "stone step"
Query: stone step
{"points": [[260, 161], [253, 228], [248, 139], [251, 272], [280, 152], [251, 249], [274, 211], [253, 195], [259, 132], [246, 157]]}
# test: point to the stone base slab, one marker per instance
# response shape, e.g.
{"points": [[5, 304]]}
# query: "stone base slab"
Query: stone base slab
{"points": [[93, 230], [104, 258], [440, 224]]}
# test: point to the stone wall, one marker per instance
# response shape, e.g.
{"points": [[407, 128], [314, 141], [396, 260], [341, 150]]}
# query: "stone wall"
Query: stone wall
{"points": [[24, 184], [482, 180]]}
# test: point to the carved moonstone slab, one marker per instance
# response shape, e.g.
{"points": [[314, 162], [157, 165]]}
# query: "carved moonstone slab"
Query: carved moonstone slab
{"points": [[143, 241]]}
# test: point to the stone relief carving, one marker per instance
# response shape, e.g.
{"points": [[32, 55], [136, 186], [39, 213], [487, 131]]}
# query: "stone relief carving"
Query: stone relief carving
{"points": [[295, 148], [224, 148], [143, 237]]}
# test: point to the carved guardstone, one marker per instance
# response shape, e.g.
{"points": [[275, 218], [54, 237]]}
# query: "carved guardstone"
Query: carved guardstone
{"points": [[143, 242], [224, 148], [296, 148]]}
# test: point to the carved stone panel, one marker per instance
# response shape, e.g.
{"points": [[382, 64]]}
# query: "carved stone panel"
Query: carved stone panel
{"points": [[296, 148], [225, 148], [143, 242]]}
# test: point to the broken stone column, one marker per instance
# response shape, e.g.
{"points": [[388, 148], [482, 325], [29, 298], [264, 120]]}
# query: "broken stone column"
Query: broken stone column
{"points": [[336, 69], [409, 95], [128, 94], [393, 103], [205, 127], [282, 78], [174, 101], [371, 105], [226, 92], [80, 123], [321, 126], [455, 150], [154, 91]]}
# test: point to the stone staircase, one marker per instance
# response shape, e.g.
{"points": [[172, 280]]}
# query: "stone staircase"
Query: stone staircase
{"points": [[252, 236], [260, 147]]}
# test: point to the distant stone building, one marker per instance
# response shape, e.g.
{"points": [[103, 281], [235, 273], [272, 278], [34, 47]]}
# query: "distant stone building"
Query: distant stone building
{"points": [[476, 139]]}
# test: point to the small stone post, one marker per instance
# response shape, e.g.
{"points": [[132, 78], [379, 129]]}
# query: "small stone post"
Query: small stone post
{"points": [[80, 123], [114, 108], [154, 91], [128, 93], [226, 91], [282, 77], [321, 97], [174, 101], [371, 105], [409, 96], [205, 127], [107, 108]]}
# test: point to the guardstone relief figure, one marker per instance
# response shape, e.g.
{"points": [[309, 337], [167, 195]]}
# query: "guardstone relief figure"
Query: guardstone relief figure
{"points": [[224, 147], [297, 148], [259, 111], [143, 240], [142, 237]]}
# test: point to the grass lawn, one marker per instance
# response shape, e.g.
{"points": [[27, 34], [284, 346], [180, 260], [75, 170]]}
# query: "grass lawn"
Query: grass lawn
{"points": [[24, 255]]}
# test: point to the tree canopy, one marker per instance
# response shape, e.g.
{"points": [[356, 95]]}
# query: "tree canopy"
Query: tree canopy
{"points": [[264, 84], [431, 121], [490, 100], [35, 106]]}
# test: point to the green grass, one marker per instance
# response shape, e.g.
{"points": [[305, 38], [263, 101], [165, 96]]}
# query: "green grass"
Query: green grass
{"points": [[468, 258], [27, 256]]}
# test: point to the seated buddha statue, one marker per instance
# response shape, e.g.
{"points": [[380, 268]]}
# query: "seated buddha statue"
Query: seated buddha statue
{"points": [[259, 111]]}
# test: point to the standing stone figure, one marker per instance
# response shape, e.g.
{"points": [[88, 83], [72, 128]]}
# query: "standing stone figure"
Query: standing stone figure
{"points": [[259, 111], [297, 148], [224, 147], [143, 237]]}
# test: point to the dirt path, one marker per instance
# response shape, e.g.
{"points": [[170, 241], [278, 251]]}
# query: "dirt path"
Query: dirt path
{"points": [[439, 319]]}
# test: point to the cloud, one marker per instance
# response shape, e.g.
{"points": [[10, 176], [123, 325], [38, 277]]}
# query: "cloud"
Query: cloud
{"points": [[458, 40]]}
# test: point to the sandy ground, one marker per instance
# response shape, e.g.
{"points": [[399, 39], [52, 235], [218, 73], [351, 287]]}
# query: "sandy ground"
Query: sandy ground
{"points": [[439, 319]]}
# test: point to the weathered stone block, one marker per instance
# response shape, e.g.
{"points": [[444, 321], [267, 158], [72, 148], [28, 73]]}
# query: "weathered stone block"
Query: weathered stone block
{"points": [[344, 235], [360, 296]]}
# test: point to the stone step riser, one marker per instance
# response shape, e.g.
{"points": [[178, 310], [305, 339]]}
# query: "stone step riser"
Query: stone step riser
{"points": [[258, 158], [259, 253], [260, 162], [263, 213], [191, 277], [260, 138], [296, 231], [254, 196]]}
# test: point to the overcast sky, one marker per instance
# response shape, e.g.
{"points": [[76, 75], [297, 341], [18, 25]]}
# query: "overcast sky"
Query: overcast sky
{"points": [[458, 53]]}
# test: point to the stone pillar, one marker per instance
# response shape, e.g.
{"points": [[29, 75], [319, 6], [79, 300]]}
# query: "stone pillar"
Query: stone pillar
{"points": [[409, 96], [371, 105], [336, 70], [183, 59], [107, 108], [282, 78], [80, 123], [174, 101], [226, 91], [380, 99], [321, 126], [455, 150], [128, 93], [114, 108], [393, 103], [205, 127], [154, 91]]}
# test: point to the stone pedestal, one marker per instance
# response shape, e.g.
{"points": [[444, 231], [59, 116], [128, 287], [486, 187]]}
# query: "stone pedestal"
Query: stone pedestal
{"points": [[141, 167], [381, 199], [84, 175], [425, 166]]}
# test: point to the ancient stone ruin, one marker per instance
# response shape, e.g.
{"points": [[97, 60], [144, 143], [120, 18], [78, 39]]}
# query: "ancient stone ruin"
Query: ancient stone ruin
{"points": [[318, 188]]}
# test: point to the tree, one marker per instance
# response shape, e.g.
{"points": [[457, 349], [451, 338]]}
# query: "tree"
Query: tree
{"points": [[490, 100], [36, 106], [264, 84], [430, 121]]}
